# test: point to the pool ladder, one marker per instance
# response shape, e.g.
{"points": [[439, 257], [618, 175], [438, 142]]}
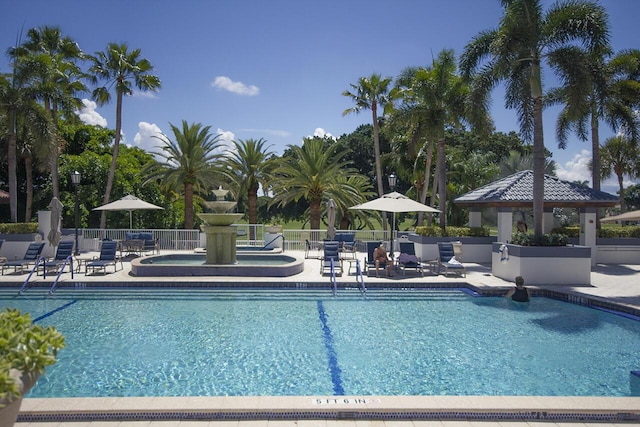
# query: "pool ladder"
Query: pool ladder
{"points": [[359, 279]]}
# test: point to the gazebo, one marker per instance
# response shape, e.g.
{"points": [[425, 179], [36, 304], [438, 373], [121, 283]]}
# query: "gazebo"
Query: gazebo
{"points": [[516, 191]]}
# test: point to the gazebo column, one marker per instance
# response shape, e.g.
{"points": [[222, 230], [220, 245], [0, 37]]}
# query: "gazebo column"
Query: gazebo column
{"points": [[547, 220], [475, 217], [588, 231], [505, 224]]}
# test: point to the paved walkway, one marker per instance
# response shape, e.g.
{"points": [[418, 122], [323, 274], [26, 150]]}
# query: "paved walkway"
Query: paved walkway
{"points": [[619, 284]]}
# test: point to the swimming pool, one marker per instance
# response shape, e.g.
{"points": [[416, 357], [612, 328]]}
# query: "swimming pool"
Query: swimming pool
{"points": [[306, 342]]}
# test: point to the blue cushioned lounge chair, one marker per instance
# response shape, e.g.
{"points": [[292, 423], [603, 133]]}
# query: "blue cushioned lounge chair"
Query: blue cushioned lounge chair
{"points": [[447, 261], [63, 257], [30, 257], [408, 258], [108, 256], [369, 262], [331, 253]]}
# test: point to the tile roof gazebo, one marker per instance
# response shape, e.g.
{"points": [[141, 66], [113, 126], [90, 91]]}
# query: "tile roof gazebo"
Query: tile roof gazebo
{"points": [[516, 191]]}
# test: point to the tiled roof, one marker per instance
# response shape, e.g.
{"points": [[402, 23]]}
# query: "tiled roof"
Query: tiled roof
{"points": [[517, 190]]}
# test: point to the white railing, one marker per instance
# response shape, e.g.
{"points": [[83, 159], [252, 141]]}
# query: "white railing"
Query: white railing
{"points": [[180, 239]]}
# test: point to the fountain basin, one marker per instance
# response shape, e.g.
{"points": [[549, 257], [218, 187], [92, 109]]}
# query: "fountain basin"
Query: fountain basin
{"points": [[247, 265], [220, 219]]}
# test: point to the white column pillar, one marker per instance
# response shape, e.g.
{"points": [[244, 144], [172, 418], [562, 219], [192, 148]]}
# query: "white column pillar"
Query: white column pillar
{"points": [[588, 231], [475, 217], [547, 220], [505, 224]]}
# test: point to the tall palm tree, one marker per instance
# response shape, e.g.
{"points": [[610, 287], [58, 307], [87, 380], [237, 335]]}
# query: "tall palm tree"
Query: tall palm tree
{"points": [[372, 93], [439, 98], [53, 61], [514, 52], [188, 163], [249, 165], [596, 89], [120, 69], [621, 156], [311, 172]]}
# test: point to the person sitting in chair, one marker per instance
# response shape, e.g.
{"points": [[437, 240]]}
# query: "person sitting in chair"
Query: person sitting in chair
{"points": [[519, 293], [380, 257]]}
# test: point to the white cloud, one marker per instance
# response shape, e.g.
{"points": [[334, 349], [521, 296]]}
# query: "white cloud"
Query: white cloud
{"points": [[226, 138], [88, 114], [321, 133], [146, 94], [576, 169], [225, 83], [274, 132], [145, 137]]}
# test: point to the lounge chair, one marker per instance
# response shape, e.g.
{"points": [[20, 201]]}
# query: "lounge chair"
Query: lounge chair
{"points": [[447, 260], [63, 257], [331, 255], [310, 246], [408, 258], [369, 262], [348, 245], [30, 257], [108, 256]]}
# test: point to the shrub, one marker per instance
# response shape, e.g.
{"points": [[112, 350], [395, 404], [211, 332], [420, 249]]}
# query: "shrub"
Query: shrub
{"points": [[19, 228], [452, 231], [524, 239], [25, 347]]}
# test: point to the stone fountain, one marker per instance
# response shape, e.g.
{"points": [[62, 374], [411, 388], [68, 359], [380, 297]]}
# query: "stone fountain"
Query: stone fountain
{"points": [[219, 229]]}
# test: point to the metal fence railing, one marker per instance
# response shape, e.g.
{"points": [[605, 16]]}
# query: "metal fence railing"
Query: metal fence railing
{"points": [[248, 235]]}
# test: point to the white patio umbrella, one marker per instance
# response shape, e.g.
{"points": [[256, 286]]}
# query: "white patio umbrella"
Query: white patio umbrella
{"points": [[128, 203], [394, 202], [331, 219], [627, 216], [56, 213]]}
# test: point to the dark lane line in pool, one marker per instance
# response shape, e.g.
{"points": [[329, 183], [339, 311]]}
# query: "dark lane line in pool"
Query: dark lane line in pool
{"points": [[44, 316], [331, 352]]}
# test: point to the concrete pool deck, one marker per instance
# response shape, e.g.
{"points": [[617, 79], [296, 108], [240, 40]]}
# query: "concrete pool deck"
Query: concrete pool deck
{"points": [[614, 284]]}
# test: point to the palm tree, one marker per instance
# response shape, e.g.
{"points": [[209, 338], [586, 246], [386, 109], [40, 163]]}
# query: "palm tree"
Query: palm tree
{"points": [[513, 53], [596, 89], [188, 163], [249, 166], [620, 155], [312, 172], [439, 99], [372, 93], [119, 68], [53, 62]]}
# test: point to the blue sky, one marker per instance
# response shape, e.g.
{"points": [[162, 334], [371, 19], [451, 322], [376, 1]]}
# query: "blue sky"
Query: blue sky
{"points": [[277, 69]]}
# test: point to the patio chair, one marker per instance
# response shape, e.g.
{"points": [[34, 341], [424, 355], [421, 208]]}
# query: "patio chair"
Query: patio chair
{"points": [[108, 256], [331, 254], [447, 260], [408, 258], [369, 262], [63, 257], [348, 246], [31, 256], [149, 243]]}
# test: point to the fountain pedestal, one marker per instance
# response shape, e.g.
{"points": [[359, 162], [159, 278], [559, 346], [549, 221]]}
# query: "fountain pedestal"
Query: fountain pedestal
{"points": [[221, 244], [221, 237]]}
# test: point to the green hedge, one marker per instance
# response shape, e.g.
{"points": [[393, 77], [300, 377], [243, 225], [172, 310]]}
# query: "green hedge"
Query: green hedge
{"points": [[605, 232], [453, 231], [553, 239], [19, 228]]}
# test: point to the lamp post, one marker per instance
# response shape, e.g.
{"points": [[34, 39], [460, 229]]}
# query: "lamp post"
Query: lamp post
{"points": [[393, 180], [75, 179]]}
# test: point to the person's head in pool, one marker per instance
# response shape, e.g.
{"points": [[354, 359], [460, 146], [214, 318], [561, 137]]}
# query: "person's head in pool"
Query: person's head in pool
{"points": [[519, 281]]}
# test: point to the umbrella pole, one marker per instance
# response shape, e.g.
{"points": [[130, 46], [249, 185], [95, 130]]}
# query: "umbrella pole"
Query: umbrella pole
{"points": [[130, 220]]}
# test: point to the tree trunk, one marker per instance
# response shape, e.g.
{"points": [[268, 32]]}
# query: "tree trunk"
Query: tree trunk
{"points": [[315, 211], [596, 165], [442, 185], [621, 186], [54, 154], [114, 159], [12, 162], [188, 206], [538, 168], [252, 201], [28, 166], [376, 151], [425, 187]]}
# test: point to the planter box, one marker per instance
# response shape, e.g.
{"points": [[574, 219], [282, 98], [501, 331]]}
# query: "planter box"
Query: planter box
{"points": [[474, 249], [543, 265]]}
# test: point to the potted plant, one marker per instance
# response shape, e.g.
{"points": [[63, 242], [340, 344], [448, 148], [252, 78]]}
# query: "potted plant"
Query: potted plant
{"points": [[25, 350]]}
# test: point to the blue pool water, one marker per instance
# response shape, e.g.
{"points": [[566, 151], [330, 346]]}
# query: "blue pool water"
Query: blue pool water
{"points": [[307, 342]]}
